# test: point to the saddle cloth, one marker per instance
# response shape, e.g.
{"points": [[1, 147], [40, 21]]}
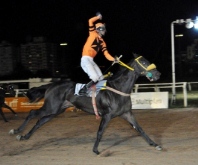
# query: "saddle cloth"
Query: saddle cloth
{"points": [[99, 86]]}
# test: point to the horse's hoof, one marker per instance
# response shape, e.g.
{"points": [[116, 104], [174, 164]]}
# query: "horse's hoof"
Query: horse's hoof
{"points": [[18, 137], [159, 148], [96, 152], [11, 132]]}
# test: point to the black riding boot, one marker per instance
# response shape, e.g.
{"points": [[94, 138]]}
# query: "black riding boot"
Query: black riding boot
{"points": [[83, 91]]}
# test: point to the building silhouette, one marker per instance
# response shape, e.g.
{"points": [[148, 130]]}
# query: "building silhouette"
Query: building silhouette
{"points": [[36, 57], [39, 55], [8, 58]]}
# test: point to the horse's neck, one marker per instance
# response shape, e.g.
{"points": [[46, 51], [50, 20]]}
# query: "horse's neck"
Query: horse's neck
{"points": [[125, 82]]}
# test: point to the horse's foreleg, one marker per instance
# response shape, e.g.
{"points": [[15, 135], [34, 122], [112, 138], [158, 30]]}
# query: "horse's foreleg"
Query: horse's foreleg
{"points": [[105, 120], [32, 114], [128, 116], [39, 123], [3, 116], [6, 106]]}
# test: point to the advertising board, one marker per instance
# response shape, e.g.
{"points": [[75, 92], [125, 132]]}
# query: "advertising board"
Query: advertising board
{"points": [[149, 100]]}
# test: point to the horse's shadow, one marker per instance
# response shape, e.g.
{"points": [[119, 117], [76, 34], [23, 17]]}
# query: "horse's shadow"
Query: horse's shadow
{"points": [[160, 124]]}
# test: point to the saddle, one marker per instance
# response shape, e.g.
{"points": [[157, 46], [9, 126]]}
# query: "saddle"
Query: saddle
{"points": [[101, 85], [96, 88]]}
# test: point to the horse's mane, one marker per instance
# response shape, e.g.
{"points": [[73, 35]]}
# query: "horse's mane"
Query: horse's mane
{"points": [[121, 71]]}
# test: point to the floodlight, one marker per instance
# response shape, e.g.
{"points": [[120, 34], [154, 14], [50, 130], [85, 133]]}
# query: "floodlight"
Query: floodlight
{"points": [[189, 23], [196, 23]]}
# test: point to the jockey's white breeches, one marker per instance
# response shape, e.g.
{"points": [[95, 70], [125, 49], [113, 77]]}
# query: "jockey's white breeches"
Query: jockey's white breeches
{"points": [[91, 68]]}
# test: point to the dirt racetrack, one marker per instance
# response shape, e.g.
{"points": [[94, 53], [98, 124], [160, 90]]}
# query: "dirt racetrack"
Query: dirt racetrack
{"points": [[68, 140]]}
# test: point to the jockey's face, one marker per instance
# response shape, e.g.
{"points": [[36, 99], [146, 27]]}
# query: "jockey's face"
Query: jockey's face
{"points": [[101, 30]]}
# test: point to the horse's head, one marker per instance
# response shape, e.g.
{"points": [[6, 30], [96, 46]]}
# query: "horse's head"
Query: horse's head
{"points": [[8, 88], [145, 68]]}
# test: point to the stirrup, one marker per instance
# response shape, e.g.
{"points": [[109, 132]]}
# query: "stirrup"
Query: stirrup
{"points": [[83, 91]]}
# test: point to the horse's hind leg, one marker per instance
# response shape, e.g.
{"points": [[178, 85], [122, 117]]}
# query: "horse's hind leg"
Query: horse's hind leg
{"points": [[6, 106], [39, 123], [131, 119], [32, 114], [3, 116]]}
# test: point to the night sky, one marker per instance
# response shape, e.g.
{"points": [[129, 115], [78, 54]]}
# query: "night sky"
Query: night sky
{"points": [[140, 26]]}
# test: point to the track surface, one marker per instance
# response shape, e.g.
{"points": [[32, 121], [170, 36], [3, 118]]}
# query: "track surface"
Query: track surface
{"points": [[68, 140]]}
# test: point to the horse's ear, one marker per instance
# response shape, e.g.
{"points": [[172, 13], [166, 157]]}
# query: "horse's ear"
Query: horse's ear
{"points": [[135, 55]]}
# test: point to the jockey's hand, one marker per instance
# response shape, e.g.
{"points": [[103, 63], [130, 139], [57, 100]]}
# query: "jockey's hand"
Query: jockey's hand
{"points": [[99, 14], [116, 60]]}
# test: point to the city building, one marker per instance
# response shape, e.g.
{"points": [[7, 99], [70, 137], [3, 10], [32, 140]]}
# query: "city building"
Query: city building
{"points": [[39, 55], [8, 58]]}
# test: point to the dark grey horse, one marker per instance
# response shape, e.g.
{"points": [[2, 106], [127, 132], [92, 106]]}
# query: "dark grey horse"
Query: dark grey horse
{"points": [[3, 90], [60, 95]]}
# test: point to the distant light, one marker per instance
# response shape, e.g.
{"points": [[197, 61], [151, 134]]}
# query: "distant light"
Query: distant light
{"points": [[63, 44], [196, 23], [179, 35], [189, 25]]}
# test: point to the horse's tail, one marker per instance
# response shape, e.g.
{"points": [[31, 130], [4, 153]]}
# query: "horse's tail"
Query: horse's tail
{"points": [[35, 94]]}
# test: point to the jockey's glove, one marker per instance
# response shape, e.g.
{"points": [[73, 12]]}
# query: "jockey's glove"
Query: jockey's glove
{"points": [[99, 14], [116, 60]]}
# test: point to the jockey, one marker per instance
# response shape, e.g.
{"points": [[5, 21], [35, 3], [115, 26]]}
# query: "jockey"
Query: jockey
{"points": [[93, 45]]}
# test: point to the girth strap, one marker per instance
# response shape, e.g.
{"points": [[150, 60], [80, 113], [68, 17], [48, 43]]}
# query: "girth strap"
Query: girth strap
{"points": [[93, 88]]}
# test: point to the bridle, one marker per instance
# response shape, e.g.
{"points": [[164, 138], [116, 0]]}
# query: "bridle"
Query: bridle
{"points": [[148, 68]]}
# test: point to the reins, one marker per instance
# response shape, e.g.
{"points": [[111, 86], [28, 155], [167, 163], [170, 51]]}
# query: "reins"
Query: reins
{"points": [[126, 66], [116, 91]]}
